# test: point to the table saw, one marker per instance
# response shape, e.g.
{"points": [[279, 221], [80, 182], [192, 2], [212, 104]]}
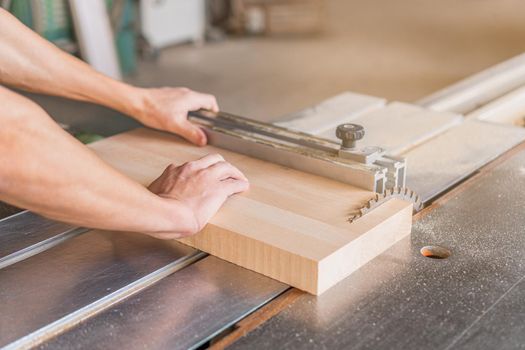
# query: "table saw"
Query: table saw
{"points": [[455, 282]]}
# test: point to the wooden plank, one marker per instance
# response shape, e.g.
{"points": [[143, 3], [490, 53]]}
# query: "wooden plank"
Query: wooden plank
{"points": [[283, 16], [400, 126], [290, 226], [328, 114], [508, 109], [470, 93]]}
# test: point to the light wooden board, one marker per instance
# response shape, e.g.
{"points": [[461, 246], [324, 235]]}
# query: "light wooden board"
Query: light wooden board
{"points": [[290, 225], [328, 114], [507, 109], [400, 126], [468, 94]]}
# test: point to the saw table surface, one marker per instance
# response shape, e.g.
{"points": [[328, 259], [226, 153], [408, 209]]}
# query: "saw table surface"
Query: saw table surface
{"points": [[402, 300], [65, 287]]}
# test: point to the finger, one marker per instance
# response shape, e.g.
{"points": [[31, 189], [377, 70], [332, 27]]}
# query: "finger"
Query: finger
{"points": [[234, 186], [192, 133], [224, 170], [203, 101], [207, 161]]}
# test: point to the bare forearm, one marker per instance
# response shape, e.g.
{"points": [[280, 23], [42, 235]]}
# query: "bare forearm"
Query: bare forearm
{"points": [[31, 63], [44, 169]]}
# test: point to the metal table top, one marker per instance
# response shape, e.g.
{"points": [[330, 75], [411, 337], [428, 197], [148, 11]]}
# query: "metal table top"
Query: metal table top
{"points": [[182, 311], [402, 300], [131, 279]]}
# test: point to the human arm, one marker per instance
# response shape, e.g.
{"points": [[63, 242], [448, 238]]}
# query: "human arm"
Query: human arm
{"points": [[31, 63], [44, 169]]}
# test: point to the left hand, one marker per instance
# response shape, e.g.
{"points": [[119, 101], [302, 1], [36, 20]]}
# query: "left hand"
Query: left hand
{"points": [[167, 109]]}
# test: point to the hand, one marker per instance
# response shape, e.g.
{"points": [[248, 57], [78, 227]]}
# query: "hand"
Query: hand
{"points": [[167, 109], [202, 185]]}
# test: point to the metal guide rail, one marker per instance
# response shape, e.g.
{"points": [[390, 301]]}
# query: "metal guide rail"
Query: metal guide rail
{"points": [[368, 168]]}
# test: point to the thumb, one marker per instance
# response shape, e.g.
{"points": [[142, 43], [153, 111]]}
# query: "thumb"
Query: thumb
{"points": [[192, 133]]}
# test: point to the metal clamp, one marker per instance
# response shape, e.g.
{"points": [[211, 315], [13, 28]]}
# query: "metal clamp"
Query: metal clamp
{"points": [[350, 134]]}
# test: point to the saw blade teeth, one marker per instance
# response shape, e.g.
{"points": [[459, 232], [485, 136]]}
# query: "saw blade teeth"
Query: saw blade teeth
{"points": [[380, 198]]}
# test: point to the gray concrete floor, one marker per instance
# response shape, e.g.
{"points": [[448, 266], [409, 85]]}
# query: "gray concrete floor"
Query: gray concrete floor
{"points": [[401, 50]]}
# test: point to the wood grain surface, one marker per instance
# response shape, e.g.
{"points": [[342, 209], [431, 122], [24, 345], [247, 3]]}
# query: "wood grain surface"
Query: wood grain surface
{"points": [[290, 225]]}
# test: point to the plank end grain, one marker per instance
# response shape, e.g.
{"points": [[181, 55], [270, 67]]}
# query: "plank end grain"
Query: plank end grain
{"points": [[381, 229]]}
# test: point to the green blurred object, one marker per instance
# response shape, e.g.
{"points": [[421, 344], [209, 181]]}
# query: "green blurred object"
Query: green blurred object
{"points": [[21, 9], [123, 14], [52, 19], [49, 18], [86, 137]]}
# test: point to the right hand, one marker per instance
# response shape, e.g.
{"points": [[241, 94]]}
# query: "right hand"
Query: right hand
{"points": [[167, 109], [202, 185]]}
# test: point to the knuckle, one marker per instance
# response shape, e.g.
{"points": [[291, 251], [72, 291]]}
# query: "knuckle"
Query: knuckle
{"points": [[209, 177], [186, 92], [185, 169], [190, 166], [218, 156], [205, 173], [214, 157], [171, 167], [222, 166]]}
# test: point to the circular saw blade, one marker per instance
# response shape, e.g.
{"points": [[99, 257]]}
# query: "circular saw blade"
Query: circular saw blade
{"points": [[402, 193]]}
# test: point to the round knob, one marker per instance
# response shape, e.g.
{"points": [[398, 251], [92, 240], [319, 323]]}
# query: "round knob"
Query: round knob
{"points": [[349, 134]]}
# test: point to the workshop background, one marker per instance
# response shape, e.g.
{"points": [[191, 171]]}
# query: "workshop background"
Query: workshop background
{"points": [[267, 58], [456, 282]]}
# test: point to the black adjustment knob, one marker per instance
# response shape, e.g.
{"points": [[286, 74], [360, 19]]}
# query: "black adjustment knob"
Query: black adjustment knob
{"points": [[349, 134]]}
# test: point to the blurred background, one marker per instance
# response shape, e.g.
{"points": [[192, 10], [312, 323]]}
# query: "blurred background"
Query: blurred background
{"points": [[267, 58]]}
